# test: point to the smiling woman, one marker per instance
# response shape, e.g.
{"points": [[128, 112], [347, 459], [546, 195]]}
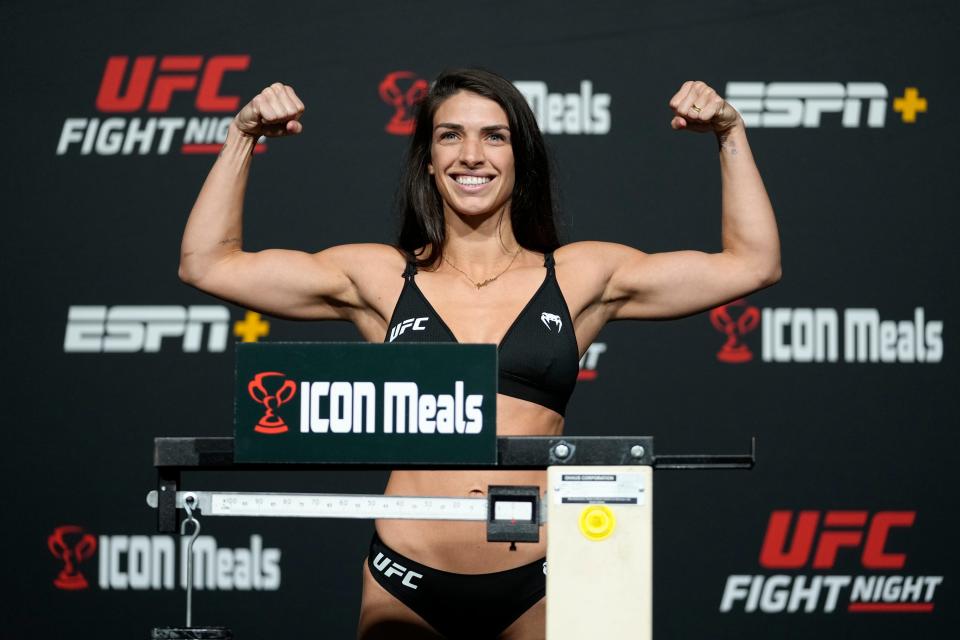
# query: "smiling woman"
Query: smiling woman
{"points": [[480, 261], [473, 127]]}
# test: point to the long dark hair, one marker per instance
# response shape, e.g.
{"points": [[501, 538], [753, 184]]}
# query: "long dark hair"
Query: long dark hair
{"points": [[531, 206]]}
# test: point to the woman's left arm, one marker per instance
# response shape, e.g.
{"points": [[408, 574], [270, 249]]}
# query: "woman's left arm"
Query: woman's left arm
{"points": [[664, 285]]}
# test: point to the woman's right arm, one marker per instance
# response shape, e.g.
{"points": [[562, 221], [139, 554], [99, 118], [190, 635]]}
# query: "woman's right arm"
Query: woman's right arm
{"points": [[291, 284]]}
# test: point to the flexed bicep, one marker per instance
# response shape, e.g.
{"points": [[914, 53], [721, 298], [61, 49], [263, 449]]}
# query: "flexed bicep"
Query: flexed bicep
{"points": [[677, 283], [332, 284]]}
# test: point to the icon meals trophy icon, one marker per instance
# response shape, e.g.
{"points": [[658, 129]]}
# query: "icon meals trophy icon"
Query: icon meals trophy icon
{"points": [[734, 350], [72, 545], [271, 422], [190, 632]]}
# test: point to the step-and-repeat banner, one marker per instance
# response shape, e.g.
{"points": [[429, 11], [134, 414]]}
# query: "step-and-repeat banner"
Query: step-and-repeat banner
{"points": [[844, 370]]}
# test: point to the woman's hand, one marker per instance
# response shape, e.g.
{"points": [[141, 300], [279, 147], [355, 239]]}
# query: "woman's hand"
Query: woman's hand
{"points": [[697, 107], [274, 112]]}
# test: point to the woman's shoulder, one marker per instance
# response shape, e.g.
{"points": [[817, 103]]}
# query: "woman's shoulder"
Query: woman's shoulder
{"points": [[365, 263], [587, 267], [365, 254], [589, 252]]}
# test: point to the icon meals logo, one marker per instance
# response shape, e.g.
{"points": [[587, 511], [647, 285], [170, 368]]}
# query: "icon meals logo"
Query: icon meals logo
{"points": [[141, 562], [352, 407], [807, 334], [153, 83]]}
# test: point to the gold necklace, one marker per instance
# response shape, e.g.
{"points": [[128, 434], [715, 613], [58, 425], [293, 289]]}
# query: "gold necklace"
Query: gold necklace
{"points": [[488, 280]]}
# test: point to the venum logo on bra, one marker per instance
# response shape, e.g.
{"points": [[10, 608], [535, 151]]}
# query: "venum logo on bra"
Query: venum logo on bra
{"points": [[551, 319], [869, 546], [352, 407], [149, 85], [807, 334], [141, 562]]}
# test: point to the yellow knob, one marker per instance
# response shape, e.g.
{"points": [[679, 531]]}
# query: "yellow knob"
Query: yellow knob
{"points": [[597, 522]]}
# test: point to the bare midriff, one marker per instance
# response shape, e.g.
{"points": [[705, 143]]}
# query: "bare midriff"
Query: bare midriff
{"points": [[462, 547]]}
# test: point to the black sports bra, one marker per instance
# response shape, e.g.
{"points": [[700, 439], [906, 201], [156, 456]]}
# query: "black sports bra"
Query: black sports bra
{"points": [[538, 355]]}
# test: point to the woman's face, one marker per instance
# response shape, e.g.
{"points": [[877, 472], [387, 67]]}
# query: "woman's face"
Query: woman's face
{"points": [[471, 155]]}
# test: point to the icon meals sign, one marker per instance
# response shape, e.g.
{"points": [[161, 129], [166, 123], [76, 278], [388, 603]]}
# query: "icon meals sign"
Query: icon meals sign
{"points": [[366, 403]]}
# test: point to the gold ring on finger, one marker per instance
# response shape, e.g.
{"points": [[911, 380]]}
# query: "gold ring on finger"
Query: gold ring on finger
{"points": [[696, 108]]}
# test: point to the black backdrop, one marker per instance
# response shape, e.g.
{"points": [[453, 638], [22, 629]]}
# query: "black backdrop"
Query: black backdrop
{"points": [[867, 217]]}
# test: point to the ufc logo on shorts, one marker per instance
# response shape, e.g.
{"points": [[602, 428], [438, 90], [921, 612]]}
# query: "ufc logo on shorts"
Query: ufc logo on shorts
{"points": [[802, 104], [389, 568], [176, 73], [129, 329], [414, 324]]}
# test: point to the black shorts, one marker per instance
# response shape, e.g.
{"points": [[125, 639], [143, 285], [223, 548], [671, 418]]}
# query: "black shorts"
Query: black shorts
{"points": [[458, 605]]}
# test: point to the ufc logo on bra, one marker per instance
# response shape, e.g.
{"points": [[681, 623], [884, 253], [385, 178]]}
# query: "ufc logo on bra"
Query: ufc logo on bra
{"points": [[414, 324]]}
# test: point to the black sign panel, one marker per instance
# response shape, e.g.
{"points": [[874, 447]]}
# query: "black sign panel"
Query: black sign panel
{"points": [[376, 403]]}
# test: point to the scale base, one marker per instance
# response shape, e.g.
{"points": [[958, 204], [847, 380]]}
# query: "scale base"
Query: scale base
{"points": [[191, 633]]}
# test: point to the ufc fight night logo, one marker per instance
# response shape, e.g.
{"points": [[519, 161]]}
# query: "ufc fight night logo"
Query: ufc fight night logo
{"points": [[149, 85], [800, 547]]}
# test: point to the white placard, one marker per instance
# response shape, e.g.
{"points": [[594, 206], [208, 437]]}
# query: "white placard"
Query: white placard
{"points": [[600, 488]]}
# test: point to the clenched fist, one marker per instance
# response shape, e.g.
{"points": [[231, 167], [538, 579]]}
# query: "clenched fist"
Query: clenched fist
{"points": [[274, 112], [697, 107]]}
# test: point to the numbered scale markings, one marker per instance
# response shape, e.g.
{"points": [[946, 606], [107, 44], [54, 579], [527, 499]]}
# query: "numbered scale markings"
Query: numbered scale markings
{"points": [[323, 505]]}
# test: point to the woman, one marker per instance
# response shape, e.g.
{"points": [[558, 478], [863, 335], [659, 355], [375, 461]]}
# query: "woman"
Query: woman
{"points": [[480, 259]]}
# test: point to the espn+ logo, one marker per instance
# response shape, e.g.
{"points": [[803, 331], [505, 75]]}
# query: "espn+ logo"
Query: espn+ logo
{"points": [[135, 328], [152, 84], [815, 539], [805, 104]]}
